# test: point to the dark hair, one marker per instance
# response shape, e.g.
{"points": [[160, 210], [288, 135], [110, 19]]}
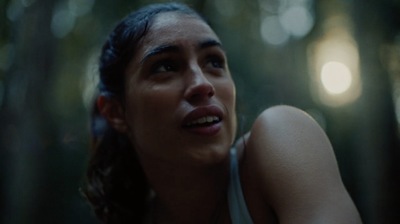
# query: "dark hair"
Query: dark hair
{"points": [[116, 184]]}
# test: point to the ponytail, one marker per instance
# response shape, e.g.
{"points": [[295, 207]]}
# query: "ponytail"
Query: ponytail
{"points": [[116, 185]]}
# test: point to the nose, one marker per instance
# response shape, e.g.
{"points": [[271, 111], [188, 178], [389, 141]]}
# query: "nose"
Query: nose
{"points": [[199, 88]]}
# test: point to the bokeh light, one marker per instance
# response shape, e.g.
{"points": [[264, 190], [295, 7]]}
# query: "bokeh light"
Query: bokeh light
{"points": [[336, 77], [297, 21], [282, 20], [272, 31], [334, 64]]}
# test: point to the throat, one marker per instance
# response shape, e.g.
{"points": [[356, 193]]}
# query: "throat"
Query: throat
{"points": [[189, 194], [217, 214]]}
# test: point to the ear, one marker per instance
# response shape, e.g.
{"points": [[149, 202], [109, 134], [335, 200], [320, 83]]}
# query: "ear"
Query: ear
{"points": [[111, 109]]}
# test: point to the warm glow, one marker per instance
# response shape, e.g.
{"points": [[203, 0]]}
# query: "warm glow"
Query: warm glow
{"points": [[334, 65], [336, 77]]}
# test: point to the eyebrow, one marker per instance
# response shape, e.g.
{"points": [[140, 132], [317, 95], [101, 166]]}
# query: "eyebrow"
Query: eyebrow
{"points": [[160, 50], [210, 43], [175, 48]]}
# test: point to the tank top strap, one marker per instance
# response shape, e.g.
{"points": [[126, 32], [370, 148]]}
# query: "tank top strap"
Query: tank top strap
{"points": [[237, 204]]}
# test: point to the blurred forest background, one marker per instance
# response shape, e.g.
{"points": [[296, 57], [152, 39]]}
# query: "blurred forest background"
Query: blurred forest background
{"points": [[339, 60]]}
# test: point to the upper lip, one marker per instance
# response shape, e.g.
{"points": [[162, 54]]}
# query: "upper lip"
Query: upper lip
{"points": [[203, 112]]}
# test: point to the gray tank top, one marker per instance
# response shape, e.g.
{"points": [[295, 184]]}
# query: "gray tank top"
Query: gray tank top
{"points": [[237, 205]]}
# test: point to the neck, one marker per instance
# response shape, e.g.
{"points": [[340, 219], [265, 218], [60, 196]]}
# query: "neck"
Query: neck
{"points": [[185, 194]]}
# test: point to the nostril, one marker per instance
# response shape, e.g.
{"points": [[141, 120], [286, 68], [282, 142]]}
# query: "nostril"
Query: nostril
{"points": [[211, 92]]}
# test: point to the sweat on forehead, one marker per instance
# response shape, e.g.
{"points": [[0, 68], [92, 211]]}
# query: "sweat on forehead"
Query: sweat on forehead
{"points": [[167, 17], [170, 24]]}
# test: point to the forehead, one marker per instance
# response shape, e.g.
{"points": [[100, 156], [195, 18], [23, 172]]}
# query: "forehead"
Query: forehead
{"points": [[176, 28]]}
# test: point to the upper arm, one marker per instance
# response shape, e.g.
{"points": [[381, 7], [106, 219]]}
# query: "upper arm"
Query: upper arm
{"points": [[295, 168]]}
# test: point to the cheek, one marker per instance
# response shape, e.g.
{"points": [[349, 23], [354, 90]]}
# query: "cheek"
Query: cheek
{"points": [[145, 110], [149, 112], [227, 94]]}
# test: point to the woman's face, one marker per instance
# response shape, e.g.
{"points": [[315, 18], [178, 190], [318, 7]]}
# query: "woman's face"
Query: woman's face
{"points": [[180, 97]]}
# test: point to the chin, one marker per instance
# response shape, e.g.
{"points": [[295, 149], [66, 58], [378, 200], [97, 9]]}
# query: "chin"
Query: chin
{"points": [[212, 156]]}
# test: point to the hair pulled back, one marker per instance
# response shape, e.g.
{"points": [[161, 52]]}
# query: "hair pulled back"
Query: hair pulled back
{"points": [[116, 184]]}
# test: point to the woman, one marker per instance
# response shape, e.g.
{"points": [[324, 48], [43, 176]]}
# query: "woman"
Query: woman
{"points": [[163, 129]]}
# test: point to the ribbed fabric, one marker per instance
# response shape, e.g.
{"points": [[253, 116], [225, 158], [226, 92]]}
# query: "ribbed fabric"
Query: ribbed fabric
{"points": [[237, 205]]}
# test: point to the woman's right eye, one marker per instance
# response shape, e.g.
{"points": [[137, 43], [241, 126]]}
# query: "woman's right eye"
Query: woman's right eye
{"points": [[164, 66]]}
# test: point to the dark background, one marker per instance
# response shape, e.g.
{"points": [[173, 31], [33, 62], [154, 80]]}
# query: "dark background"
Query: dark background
{"points": [[48, 52]]}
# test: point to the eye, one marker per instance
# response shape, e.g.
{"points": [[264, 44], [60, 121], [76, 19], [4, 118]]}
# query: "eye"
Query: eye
{"points": [[164, 66], [216, 62]]}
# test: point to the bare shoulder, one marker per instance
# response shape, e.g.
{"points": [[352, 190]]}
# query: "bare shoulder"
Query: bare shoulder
{"points": [[290, 163]]}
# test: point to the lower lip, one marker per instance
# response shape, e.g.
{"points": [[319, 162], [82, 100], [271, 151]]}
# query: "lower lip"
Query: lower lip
{"points": [[206, 130]]}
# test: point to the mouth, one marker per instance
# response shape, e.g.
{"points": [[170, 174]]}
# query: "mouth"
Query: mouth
{"points": [[206, 120], [203, 121]]}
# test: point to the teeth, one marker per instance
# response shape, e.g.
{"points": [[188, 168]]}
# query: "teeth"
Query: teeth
{"points": [[202, 120]]}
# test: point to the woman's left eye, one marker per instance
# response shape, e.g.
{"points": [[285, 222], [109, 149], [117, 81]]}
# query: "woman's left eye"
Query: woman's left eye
{"points": [[215, 62]]}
